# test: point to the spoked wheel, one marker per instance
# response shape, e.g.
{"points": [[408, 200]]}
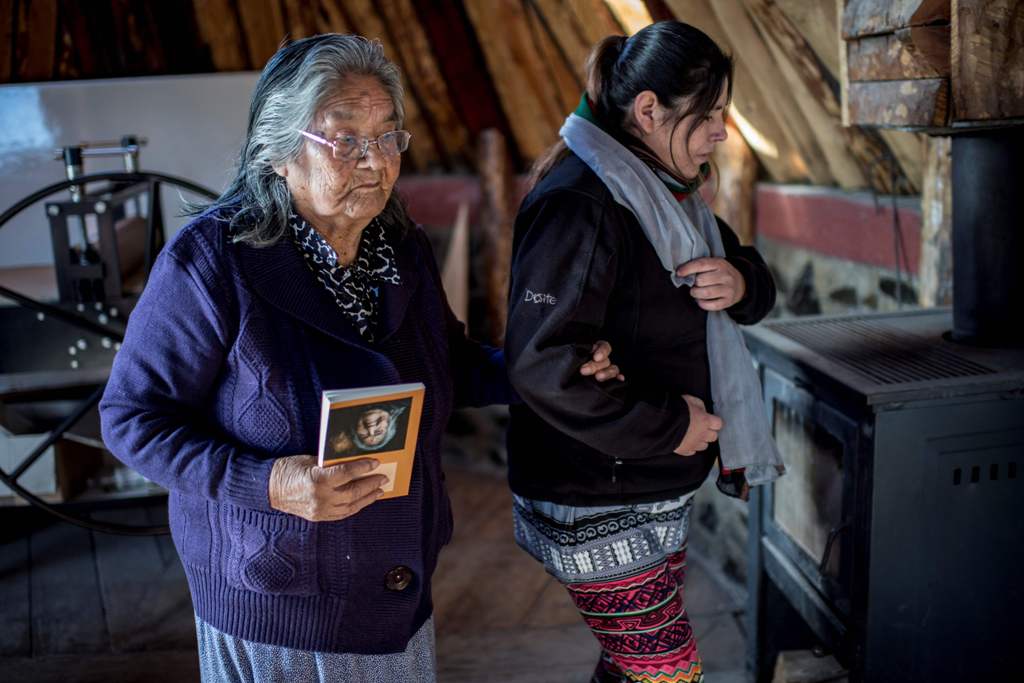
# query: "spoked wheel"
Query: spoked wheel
{"points": [[29, 372]]}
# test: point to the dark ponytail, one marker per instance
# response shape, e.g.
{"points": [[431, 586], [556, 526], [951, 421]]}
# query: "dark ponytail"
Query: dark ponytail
{"points": [[600, 69], [676, 61]]}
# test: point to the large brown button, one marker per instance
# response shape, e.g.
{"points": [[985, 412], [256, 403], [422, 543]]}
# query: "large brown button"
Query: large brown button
{"points": [[398, 579]]}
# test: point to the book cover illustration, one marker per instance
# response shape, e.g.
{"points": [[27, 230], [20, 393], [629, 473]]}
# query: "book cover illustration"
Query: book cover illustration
{"points": [[373, 422]]}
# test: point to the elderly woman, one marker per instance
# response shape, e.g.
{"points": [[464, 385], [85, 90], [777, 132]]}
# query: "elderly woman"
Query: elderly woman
{"points": [[304, 275]]}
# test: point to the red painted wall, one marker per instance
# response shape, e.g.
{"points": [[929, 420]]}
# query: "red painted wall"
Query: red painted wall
{"points": [[846, 225], [836, 223], [434, 199]]}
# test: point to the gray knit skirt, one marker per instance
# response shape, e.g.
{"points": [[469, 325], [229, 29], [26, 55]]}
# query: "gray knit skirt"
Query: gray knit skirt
{"points": [[224, 658]]}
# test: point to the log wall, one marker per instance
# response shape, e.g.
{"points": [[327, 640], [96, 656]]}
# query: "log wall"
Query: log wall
{"points": [[934, 65]]}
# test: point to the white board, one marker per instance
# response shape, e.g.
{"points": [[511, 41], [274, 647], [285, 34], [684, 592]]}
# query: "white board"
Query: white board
{"points": [[194, 125]]}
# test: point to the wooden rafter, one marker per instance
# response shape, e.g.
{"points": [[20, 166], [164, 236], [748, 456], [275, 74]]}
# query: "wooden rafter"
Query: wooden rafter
{"points": [[865, 149], [557, 68], [36, 27], [421, 70], [754, 114], [424, 148], [562, 22], [751, 48], [218, 26], [263, 24], [596, 19], [532, 101], [633, 15]]}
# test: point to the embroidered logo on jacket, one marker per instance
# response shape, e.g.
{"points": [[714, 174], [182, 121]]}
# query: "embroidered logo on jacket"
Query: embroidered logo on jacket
{"points": [[539, 298]]}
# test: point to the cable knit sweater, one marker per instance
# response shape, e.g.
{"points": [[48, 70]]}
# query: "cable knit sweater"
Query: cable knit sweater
{"points": [[221, 372]]}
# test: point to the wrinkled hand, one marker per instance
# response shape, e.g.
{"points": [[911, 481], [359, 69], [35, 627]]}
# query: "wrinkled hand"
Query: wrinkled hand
{"points": [[300, 487], [717, 286], [600, 365], [703, 429]]}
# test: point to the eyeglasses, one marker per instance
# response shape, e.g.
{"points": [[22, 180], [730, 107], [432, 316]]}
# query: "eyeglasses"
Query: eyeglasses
{"points": [[352, 148]]}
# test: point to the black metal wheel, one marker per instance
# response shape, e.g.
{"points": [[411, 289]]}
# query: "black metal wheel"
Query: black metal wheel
{"points": [[107, 330]]}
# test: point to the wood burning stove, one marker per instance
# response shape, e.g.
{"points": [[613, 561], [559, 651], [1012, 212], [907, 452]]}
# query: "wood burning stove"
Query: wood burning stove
{"points": [[896, 539]]}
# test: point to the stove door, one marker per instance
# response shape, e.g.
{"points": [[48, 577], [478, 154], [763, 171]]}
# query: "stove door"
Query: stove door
{"points": [[809, 512]]}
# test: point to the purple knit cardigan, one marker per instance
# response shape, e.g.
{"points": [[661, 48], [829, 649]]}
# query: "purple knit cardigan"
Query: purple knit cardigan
{"points": [[221, 372]]}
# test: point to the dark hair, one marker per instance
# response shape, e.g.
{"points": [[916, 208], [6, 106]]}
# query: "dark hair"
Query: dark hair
{"points": [[680, 64]]}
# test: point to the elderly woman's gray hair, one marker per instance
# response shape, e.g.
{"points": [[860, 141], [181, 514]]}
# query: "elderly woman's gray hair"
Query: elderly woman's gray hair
{"points": [[290, 91]]}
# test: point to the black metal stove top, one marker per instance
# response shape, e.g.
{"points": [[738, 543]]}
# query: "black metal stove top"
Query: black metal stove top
{"points": [[894, 356]]}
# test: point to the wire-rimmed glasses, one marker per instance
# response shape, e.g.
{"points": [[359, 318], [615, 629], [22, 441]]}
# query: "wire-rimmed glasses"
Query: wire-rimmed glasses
{"points": [[352, 147]]}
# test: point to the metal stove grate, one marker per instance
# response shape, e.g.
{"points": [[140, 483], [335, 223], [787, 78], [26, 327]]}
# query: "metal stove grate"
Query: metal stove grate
{"points": [[880, 350]]}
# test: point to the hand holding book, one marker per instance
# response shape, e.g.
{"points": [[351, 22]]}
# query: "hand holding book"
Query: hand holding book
{"points": [[299, 486], [377, 422]]}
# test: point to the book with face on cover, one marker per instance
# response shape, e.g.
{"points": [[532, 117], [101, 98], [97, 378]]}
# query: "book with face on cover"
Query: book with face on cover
{"points": [[373, 422]]}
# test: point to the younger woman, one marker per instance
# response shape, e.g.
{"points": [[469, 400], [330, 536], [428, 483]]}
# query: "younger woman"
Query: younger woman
{"points": [[615, 243]]}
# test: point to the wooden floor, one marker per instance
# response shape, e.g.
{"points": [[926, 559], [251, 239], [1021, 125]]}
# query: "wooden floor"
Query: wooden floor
{"points": [[83, 606]]}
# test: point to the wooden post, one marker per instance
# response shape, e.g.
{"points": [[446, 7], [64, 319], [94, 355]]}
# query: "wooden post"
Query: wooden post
{"points": [[920, 102], [455, 272], [873, 17], [935, 272], [737, 174], [844, 65], [496, 188]]}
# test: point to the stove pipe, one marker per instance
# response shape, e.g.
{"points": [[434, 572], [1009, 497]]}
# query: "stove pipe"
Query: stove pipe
{"points": [[988, 237]]}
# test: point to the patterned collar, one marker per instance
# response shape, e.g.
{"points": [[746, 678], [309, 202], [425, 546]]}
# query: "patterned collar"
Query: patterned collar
{"points": [[355, 288]]}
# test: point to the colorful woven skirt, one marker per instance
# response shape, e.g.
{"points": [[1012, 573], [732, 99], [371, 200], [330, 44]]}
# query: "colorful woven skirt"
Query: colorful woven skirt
{"points": [[624, 567]]}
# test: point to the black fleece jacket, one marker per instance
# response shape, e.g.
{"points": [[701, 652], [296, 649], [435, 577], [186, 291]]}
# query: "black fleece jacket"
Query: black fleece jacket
{"points": [[583, 270]]}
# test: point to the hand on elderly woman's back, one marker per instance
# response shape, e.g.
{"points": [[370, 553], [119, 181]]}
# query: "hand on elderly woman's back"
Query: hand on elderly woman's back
{"points": [[300, 487]]}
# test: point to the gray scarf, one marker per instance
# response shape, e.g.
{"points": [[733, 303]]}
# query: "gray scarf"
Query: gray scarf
{"points": [[681, 232]]}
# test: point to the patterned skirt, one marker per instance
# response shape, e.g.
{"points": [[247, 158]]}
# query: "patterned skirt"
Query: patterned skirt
{"points": [[624, 567]]}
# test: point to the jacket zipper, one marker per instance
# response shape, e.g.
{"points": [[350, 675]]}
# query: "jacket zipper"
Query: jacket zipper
{"points": [[615, 463]]}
